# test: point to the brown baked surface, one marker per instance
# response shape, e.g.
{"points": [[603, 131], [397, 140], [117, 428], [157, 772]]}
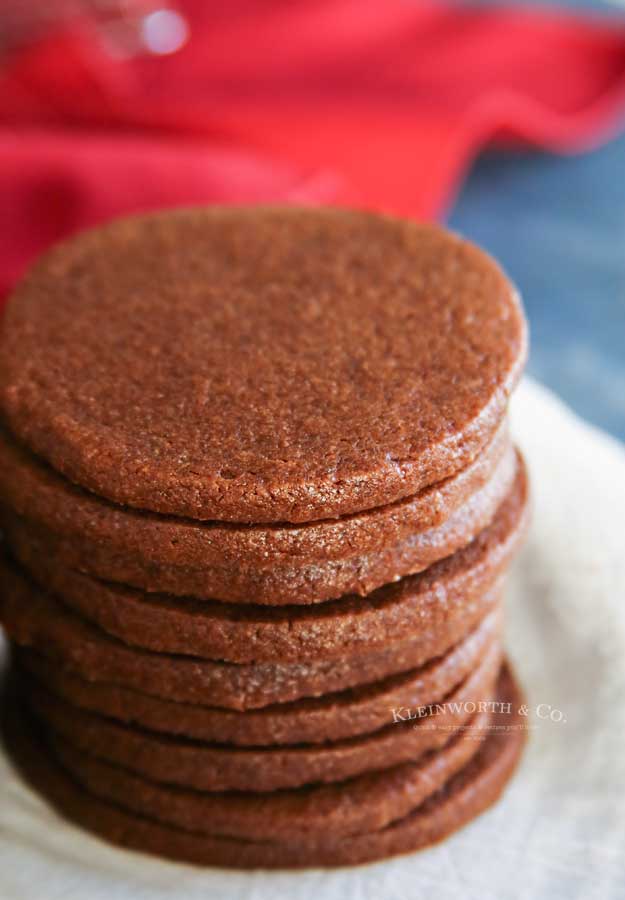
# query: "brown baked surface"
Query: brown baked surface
{"points": [[260, 365], [309, 721], [360, 804], [35, 619], [268, 564], [221, 767], [83, 650], [288, 581], [477, 785], [422, 605]]}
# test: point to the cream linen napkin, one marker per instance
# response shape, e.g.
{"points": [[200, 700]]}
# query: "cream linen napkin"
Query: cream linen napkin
{"points": [[558, 833]]}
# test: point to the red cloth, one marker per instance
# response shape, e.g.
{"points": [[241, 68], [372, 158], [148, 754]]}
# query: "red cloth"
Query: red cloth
{"points": [[378, 104]]}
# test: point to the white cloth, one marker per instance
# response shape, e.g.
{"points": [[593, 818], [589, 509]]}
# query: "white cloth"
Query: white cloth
{"points": [[558, 832]]}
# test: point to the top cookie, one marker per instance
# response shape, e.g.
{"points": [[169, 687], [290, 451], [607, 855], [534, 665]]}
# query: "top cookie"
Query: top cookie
{"points": [[261, 364]]}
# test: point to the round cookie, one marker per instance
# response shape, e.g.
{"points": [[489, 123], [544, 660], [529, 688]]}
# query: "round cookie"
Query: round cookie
{"points": [[466, 795], [308, 721], [218, 767], [284, 583], [258, 564], [34, 619], [260, 365], [425, 604], [361, 804]]}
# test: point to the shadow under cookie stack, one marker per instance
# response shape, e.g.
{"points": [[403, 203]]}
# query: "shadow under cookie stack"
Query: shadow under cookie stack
{"points": [[259, 500]]}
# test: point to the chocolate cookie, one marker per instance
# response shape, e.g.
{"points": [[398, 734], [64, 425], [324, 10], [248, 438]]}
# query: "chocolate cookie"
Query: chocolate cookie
{"points": [[308, 721], [464, 796], [35, 619], [257, 564], [363, 803], [260, 365], [293, 583], [218, 767], [425, 604]]}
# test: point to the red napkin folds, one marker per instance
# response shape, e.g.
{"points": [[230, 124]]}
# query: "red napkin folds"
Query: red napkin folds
{"points": [[380, 104]]}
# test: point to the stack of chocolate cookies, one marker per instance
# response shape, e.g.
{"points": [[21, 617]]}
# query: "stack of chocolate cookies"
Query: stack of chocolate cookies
{"points": [[258, 499]]}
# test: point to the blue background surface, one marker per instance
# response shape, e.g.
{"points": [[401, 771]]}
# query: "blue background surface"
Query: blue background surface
{"points": [[557, 225]]}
